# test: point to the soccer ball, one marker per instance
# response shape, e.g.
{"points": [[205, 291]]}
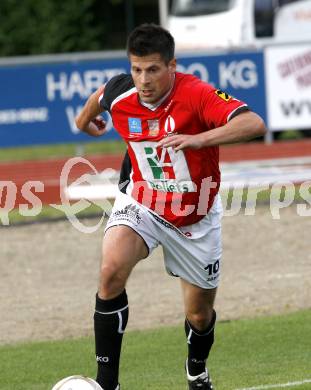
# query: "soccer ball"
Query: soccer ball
{"points": [[77, 382]]}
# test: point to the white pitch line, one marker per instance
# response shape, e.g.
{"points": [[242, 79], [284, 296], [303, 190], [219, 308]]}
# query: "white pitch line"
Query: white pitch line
{"points": [[288, 384]]}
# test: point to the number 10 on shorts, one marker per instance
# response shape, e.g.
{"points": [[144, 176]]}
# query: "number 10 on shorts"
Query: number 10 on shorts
{"points": [[212, 269]]}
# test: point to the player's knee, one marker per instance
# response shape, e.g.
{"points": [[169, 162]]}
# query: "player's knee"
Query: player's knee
{"points": [[111, 281], [200, 320]]}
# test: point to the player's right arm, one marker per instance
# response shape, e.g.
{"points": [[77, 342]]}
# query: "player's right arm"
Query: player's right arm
{"points": [[89, 120]]}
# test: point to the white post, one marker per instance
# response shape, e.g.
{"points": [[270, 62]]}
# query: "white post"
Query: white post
{"points": [[163, 12], [269, 137]]}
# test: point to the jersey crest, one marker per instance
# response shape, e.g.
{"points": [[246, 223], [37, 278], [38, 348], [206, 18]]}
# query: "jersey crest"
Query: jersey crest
{"points": [[169, 125]]}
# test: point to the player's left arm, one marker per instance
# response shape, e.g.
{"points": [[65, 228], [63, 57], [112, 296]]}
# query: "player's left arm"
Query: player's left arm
{"points": [[245, 126], [89, 119]]}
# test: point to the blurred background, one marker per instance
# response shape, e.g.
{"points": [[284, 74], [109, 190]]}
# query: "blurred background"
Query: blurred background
{"points": [[47, 26], [53, 55]]}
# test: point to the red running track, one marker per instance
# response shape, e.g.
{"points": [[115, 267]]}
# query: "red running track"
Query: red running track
{"points": [[259, 151], [14, 175]]}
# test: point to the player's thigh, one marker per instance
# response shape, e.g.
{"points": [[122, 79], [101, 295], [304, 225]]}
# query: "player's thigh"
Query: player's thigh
{"points": [[196, 261], [122, 248], [198, 303]]}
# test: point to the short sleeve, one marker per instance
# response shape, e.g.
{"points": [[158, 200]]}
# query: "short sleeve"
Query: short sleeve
{"points": [[216, 107], [114, 88]]}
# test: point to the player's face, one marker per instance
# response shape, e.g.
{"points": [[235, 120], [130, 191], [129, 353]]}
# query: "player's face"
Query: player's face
{"points": [[152, 77]]}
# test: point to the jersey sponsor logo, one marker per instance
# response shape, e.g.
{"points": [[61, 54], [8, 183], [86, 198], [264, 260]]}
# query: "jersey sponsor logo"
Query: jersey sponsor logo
{"points": [[129, 213], [164, 176], [223, 95], [160, 163], [153, 127], [162, 168], [135, 126], [169, 125], [171, 186]]}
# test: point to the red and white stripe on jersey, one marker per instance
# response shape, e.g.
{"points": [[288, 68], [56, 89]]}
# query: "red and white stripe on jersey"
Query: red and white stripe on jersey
{"points": [[124, 95]]}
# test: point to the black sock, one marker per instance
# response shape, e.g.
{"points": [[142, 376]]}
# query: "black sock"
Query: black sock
{"points": [[199, 346], [110, 319]]}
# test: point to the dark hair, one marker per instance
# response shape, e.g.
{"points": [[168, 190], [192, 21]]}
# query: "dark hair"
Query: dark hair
{"points": [[150, 38]]}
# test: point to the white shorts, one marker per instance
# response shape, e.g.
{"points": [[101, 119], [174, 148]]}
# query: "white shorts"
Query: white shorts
{"points": [[191, 252]]}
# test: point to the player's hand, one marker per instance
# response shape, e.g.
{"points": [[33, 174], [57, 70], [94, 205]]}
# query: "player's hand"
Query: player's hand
{"points": [[96, 127], [182, 141]]}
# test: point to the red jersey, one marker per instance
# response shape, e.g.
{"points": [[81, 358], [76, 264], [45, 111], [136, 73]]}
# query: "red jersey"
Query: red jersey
{"points": [[178, 186]]}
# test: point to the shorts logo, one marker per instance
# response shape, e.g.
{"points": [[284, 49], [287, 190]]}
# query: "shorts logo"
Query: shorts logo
{"points": [[154, 127], [135, 126], [166, 224], [129, 213], [223, 95]]}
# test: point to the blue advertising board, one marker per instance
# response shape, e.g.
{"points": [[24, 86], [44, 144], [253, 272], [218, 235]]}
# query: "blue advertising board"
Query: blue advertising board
{"points": [[239, 74], [40, 100]]}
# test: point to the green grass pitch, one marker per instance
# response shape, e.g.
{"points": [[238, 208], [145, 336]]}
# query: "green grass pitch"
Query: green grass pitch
{"points": [[246, 353]]}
